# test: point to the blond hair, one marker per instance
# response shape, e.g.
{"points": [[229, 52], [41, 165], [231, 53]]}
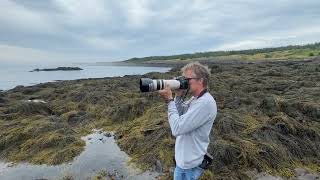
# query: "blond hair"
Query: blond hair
{"points": [[199, 70]]}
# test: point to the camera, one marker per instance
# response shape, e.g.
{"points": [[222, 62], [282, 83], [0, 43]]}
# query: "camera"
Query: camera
{"points": [[148, 85], [207, 161]]}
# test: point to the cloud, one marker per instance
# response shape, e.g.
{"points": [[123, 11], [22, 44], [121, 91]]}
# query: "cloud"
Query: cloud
{"points": [[82, 13], [26, 55], [136, 12], [80, 30], [16, 17]]}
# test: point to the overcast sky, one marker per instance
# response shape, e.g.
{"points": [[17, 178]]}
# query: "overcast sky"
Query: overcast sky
{"points": [[110, 30]]}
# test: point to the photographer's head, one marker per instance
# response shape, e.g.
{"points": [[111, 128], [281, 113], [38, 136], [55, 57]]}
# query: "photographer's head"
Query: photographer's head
{"points": [[198, 76]]}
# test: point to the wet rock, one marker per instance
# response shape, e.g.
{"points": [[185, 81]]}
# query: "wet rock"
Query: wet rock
{"points": [[308, 177], [107, 134], [10, 164], [300, 171], [36, 101], [302, 174], [116, 137], [159, 167], [265, 176]]}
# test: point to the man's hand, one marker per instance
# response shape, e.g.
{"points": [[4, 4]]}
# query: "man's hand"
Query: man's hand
{"points": [[166, 93]]}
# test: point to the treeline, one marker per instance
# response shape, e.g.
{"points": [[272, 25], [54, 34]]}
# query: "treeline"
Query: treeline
{"points": [[228, 53]]}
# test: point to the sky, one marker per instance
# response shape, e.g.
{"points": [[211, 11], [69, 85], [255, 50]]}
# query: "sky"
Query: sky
{"points": [[34, 31]]}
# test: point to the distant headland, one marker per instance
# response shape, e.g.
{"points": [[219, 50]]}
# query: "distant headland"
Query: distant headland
{"points": [[58, 69]]}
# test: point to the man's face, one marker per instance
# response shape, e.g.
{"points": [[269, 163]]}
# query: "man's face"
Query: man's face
{"points": [[194, 84]]}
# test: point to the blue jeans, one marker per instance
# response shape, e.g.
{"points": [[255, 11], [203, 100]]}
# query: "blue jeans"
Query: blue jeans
{"points": [[187, 174]]}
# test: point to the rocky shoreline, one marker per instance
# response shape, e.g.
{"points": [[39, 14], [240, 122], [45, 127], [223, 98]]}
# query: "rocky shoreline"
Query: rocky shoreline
{"points": [[268, 119]]}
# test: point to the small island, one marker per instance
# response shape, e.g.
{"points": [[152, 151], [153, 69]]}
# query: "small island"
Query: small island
{"points": [[58, 69]]}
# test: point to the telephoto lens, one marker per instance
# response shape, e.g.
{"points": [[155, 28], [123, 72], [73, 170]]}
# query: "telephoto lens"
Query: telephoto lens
{"points": [[148, 85]]}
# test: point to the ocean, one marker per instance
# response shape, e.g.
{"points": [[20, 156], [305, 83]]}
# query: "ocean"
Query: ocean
{"points": [[14, 75]]}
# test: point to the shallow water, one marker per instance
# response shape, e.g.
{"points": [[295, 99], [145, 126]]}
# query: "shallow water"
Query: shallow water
{"points": [[11, 76], [101, 153]]}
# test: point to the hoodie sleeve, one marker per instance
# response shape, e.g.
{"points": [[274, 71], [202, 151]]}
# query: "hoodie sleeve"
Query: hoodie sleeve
{"points": [[198, 114]]}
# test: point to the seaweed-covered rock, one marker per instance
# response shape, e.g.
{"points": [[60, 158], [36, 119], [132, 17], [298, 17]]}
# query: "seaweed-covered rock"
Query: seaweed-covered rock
{"points": [[229, 124], [128, 110], [76, 117], [30, 107], [2, 100], [225, 155], [268, 119], [269, 105]]}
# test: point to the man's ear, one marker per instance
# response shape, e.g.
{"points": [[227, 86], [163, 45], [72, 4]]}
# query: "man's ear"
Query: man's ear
{"points": [[201, 80]]}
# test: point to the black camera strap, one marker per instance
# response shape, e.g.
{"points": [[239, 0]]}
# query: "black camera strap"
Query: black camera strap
{"points": [[185, 95], [202, 93]]}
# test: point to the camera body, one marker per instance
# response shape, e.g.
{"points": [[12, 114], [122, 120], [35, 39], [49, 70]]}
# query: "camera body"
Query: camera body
{"points": [[149, 85], [207, 161]]}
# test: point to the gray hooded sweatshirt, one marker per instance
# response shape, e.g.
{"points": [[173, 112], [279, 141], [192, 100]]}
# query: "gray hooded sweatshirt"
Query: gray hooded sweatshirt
{"points": [[191, 123]]}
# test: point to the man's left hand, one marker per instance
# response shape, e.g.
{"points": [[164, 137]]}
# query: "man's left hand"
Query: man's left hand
{"points": [[166, 93]]}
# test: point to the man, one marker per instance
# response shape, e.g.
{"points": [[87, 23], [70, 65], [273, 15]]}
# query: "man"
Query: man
{"points": [[191, 121]]}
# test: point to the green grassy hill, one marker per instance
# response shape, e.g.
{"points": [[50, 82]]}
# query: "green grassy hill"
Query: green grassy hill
{"points": [[287, 52]]}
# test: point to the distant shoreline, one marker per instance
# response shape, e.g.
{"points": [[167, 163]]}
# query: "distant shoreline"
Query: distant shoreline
{"points": [[175, 63]]}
